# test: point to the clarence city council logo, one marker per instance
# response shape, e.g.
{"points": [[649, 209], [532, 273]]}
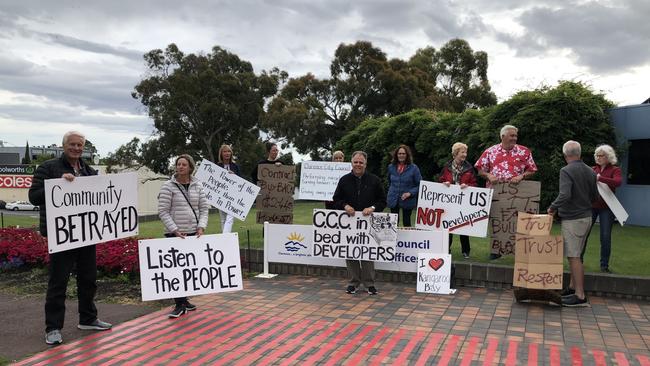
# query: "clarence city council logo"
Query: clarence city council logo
{"points": [[294, 244]]}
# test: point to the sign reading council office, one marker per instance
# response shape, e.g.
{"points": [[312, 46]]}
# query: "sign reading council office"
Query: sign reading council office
{"points": [[90, 210]]}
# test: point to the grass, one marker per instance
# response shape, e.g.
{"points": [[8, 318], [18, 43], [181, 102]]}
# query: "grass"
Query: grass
{"points": [[630, 245]]}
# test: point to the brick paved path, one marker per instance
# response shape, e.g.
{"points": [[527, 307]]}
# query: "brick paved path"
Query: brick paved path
{"points": [[311, 320]]}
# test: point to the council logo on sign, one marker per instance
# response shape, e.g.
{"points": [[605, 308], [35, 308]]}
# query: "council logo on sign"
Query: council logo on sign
{"points": [[295, 242]]}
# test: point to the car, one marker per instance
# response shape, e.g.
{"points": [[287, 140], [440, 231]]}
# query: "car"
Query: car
{"points": [[21, 205]]}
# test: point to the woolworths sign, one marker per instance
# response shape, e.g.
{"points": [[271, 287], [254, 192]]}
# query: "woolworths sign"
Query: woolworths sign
{"points": [[17, 169], [16, 176]]}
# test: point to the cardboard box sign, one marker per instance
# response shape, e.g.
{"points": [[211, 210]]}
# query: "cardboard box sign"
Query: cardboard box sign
{"points": [[531, 224], [507, 200], [275, 201]]}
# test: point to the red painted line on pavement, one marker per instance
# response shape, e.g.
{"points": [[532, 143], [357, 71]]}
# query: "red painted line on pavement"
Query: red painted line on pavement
{"points": [[491, 350], [449, 349], [387, 347], [643, 360], [532, 354], [336, 356], [621, 360], [288, 347], [555, 356], [599, 357], [428, 349], [402, 359], [363, 352], [350, 328], [469, 353], [314, 342], [576, 356], [511, 358]]}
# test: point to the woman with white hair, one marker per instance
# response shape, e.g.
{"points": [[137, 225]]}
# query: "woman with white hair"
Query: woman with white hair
{"points": [[610, 174]]}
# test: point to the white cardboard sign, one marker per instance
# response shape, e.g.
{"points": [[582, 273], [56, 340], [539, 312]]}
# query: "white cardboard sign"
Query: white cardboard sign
{"points": [[434, 273], [612, 203], [318, 179]]}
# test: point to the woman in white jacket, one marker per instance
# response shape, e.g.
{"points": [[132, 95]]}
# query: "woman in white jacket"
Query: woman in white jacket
{"points": [[183, 209]]}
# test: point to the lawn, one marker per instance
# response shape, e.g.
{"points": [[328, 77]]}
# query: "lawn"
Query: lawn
{"points": [[630, 244]]}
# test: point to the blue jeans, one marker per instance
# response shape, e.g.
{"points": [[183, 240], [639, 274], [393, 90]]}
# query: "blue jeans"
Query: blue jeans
{"points": [[606, 217]]}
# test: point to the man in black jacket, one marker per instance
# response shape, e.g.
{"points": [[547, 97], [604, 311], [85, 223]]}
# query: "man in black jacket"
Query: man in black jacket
{"points": [[68, 166], [360, 191]]}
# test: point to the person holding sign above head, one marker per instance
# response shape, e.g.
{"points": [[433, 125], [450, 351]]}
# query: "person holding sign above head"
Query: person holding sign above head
{"points": [[459, 171], [183, 209], [506, 162], [68, 166], [360, 191], [226, 162], [403, 183], [272, 152], [573, 205], [337, 157]]}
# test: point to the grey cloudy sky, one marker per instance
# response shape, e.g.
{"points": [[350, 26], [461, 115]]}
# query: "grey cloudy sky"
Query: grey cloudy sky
{"points": [[73, 64]]}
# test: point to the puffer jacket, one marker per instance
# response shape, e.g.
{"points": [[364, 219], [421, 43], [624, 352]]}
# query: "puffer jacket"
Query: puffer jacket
{"points": [[174, 211]]}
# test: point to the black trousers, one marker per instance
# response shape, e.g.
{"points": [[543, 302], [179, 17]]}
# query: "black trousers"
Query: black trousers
{"points": [[406, 215], [179, 300], [61, 265], [464, 243]]}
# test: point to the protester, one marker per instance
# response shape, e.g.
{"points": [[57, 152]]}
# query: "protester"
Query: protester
{"points": [[403, 183], [183, 209], [68, 166], [360, 191], [459, 171], [226, 162], [577, 191], [272, 152], [506, 162], [337, 157]]}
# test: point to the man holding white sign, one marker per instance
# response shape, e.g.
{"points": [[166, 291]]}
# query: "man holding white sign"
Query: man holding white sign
{"points": [[360, 191], [68, 167]]}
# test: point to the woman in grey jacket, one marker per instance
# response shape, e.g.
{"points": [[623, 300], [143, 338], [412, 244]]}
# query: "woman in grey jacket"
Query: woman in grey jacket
{"points": [[183, 209]]}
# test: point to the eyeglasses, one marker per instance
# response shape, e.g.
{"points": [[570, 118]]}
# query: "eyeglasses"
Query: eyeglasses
{"points": [[600, 155]]}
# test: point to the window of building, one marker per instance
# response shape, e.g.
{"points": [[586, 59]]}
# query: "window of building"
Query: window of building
{"points": [[639, 153]]}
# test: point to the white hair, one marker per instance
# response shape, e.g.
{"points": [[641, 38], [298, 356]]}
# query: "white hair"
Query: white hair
{"points": [[73, 133], [609, 153], [506, 128], [572, 148]]}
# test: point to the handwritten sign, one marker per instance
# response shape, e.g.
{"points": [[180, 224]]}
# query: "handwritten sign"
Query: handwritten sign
{"points": [[318, 179], [434, 273], [175, 267], [275, 202], [460, 211], [507, 200], [612, 202], [538, 255], [90, 210], [369, 238], [226, 191]]}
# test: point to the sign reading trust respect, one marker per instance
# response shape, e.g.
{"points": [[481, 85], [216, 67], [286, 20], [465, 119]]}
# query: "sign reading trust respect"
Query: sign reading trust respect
{"points": [[368, 238], [226, 191], [90, 210], [175, 267], [318, 179]]}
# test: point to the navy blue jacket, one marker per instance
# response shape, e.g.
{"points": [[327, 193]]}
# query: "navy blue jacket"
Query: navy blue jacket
{"points": [[408, 181]]}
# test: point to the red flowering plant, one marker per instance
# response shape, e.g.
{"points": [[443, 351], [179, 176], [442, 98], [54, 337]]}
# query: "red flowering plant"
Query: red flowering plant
{"points": [[118, 256], [22, 246]]}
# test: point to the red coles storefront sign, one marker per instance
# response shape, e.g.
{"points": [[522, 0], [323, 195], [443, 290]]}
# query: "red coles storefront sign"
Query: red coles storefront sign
{"points": [[15, 181]]}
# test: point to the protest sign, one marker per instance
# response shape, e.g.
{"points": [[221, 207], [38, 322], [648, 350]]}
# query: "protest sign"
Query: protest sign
{"points": [[175, 267], [460, 211], [370, 238], [294, 244], [612, 202], [507, 200], [275, 202], [318, 179], [90, 210], [434, 273], [538, 255], [226, 191]]}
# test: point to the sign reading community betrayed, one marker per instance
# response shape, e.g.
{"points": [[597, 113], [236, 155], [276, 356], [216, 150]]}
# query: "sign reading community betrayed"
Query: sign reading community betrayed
{"points": [[318, 179], [175, 267], [460, 211], [90, 210], [226, 191], [294, 244], [275, 202], [538, 255], [434, 273], [369, 238]]}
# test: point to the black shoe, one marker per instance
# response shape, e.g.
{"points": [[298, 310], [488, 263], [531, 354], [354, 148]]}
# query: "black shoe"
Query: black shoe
{"points": [[372, 290], [574, 301], [351, 290], [178, 311], [494, 256], [567, 292], [189, 306], [605, 270], [466, 255]]}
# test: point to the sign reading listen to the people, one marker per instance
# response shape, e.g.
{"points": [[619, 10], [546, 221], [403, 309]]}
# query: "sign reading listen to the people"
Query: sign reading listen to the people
{"points": [[318, 179], [460, 211], [176, 267], [339, 235], [225, 190], [90, 210]]}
